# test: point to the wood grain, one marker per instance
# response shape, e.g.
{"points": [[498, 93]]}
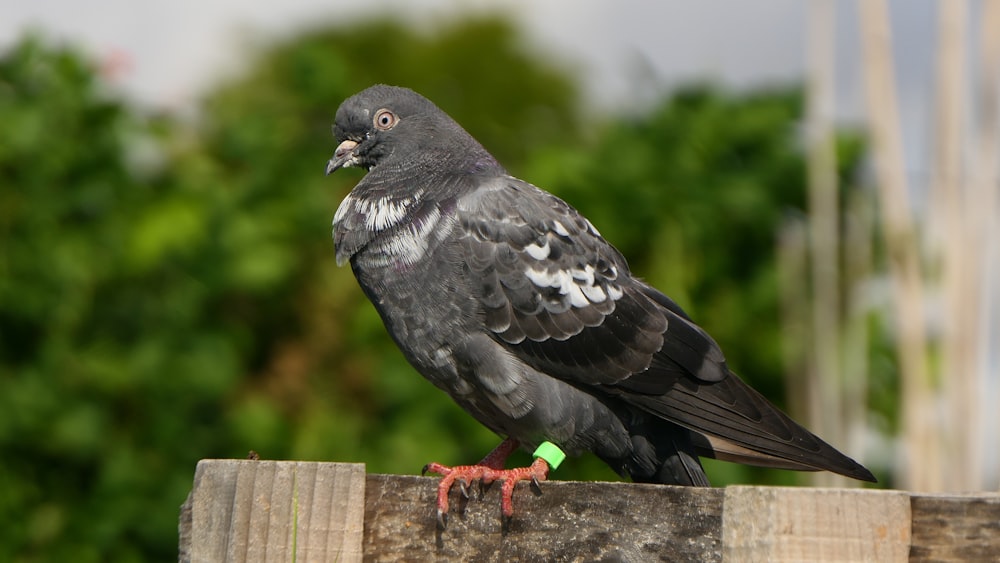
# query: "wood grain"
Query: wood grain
{"points": [[956, 527], [570, 521], [242, 510], [813, 524]]}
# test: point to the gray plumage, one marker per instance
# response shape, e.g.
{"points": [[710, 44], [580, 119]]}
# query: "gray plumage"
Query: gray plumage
{"points": [[510, 301]]}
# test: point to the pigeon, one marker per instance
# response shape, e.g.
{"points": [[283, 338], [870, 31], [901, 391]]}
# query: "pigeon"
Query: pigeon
{"points": [[510, 301]]}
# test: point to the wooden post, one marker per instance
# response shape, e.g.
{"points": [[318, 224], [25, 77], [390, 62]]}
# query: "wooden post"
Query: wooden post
{"points": [[826, 412], [920, 421], [241, 510], [985, 199]]}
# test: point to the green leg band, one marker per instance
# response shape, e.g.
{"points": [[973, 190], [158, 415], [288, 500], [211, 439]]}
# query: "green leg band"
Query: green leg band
{"points": [[550, 453]]}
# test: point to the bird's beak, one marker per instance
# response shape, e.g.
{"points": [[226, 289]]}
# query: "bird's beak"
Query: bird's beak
{"points": [[343, 157]]}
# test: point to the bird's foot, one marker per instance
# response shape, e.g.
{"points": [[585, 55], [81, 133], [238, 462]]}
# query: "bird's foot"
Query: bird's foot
{"points": [[464, 475]]}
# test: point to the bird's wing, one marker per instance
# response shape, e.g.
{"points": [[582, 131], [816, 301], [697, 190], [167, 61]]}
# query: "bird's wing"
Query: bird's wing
{"points": [[561, 298]]}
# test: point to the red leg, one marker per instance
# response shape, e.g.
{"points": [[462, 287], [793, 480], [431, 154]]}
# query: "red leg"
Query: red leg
{"points": [[488, 470], [498, 457]]}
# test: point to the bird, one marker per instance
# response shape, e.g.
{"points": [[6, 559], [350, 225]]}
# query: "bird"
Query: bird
{"points": [[510, 301]]}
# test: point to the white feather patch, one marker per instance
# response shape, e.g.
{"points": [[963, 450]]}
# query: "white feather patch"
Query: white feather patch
{"points": [[379, 213], [576, 296], [406, 248], [585, 275], [346, 204], [409, 245], [615, 292], [594, 293], [592, 228], [560, 229], [578, 285], [384, 212], [538, 252]]}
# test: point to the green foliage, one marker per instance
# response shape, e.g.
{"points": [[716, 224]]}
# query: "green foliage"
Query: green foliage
{"points": [[169, 294], [112, 362]]}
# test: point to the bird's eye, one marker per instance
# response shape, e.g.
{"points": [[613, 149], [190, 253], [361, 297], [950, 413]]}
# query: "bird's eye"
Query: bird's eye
{"points": [[385, 119]]}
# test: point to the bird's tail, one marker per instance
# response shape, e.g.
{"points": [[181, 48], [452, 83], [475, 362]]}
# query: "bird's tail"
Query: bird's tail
{"points": [[733, 422]]}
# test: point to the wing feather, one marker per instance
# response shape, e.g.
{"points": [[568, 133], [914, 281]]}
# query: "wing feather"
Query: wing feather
{"points": [[553, 291]]}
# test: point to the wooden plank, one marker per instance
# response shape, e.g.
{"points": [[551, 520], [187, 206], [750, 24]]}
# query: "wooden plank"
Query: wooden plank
{"points": [[956, 527], [809, 524], [570, 521], [242, 510], [284, 511], [920, 435]]}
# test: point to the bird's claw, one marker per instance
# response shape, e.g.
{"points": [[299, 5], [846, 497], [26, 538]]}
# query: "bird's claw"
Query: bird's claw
{"points": [[442, 519], [464, 475], [536, 485], [505, 522], [483, 487]]}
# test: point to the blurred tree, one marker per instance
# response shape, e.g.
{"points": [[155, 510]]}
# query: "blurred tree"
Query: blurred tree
{"points": [[81, 392]]}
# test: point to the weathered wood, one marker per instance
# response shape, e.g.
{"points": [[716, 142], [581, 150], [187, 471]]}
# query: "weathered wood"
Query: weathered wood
{"points": [[570, 521], [241, 510], [956, 528], [285, 511], [814, 524]]}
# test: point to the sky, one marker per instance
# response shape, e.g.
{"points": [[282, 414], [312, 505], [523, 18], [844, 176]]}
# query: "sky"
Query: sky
{"points": [[627, 52], [174, 49]]}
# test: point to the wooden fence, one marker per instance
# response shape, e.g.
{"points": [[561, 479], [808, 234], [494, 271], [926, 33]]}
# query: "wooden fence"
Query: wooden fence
{"points": [[241, 510]]}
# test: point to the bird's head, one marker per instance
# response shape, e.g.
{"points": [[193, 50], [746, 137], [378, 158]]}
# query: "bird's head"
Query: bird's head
{"points": [[383, 124]]}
